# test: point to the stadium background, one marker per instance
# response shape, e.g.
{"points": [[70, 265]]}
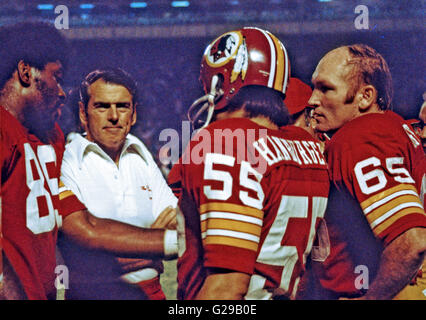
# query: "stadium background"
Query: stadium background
{"points": [[161, 43]]}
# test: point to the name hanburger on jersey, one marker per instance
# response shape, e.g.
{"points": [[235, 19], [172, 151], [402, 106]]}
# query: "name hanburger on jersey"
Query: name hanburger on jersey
{"points": [[255, 146], [306, 152]]}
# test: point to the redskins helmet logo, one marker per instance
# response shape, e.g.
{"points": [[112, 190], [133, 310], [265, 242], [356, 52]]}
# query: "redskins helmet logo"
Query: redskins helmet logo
{"points": [[227, 47]]}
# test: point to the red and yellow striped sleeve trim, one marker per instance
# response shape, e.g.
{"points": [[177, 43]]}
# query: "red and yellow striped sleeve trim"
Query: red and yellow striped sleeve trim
{"points": [[231, 224], [227, 224], [384, 209], [226, 241], [64, 192], [69, 202], [231, 207]]}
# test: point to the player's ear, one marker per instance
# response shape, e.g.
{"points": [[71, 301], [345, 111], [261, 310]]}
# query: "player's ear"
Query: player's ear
{"points": [[24, 73], [82, 115], [367, 97]]}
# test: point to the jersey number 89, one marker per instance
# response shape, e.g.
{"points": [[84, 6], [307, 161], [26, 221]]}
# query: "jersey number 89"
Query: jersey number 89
{"points": [[35, 222]]}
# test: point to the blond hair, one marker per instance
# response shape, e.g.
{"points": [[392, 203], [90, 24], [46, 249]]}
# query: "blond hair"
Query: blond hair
{"points": [[369, 68]]}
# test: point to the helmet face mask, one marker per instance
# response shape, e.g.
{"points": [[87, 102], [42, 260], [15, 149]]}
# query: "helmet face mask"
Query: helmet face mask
{"points": [[249, 56]]}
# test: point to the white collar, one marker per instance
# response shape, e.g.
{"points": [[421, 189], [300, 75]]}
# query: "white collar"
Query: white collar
{"points": [[82, 146]]}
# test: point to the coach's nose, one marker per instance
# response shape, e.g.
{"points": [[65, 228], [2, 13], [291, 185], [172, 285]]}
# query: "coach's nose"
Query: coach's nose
{"points": [[113, 113]]}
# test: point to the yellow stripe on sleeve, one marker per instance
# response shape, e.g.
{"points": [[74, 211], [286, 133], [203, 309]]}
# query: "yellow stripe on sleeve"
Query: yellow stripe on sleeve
{"points": [[65, 194], [232, 225], [227, 241], [409, 200], [230, 207], [388, 222], [365, 204]]}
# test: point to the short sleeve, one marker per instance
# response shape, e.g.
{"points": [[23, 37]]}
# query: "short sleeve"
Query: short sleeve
{"points": [[68, 189], [231, 212], [379, 175]]}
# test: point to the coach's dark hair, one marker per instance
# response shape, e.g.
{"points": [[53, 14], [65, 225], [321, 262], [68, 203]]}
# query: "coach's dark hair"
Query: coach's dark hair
{"points": [[261, 101], [36, 43], [369, 67], [109, 75]]}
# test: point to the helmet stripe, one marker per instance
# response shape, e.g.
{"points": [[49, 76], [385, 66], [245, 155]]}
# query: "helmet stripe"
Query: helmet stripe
{"points": [[273, 57], [286, 69], [281, 65]]}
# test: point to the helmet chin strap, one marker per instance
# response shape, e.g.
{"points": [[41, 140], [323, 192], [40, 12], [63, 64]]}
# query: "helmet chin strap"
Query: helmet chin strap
{"points": [[208, 101]]}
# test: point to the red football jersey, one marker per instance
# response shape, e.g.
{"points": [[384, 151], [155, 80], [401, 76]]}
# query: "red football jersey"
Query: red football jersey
{"points": [[251, 200], [377, 167], [30, 170]]}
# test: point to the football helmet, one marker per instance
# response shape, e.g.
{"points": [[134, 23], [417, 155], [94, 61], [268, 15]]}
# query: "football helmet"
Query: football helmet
{"points": [[248, 56]]}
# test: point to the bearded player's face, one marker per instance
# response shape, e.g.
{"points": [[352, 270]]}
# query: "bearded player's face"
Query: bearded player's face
{"points": [[47, 97]]}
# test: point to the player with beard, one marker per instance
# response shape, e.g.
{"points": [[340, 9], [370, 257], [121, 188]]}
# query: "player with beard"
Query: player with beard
{"points": [[251, 195], [32, 146], [33, 57]]}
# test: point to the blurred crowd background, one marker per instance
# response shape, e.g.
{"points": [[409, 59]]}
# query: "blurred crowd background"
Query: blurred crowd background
{"points": [[161, 43]]}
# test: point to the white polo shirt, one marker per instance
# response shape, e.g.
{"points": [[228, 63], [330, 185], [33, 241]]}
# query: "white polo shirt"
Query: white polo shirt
{"points": [[134, 192]]}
